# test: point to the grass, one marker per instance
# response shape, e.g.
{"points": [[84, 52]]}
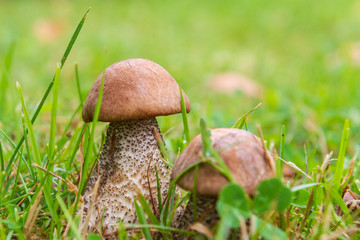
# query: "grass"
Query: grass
{"points": [[301, 52]]}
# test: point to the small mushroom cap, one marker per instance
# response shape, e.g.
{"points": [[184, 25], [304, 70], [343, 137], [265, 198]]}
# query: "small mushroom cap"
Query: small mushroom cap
{"points": [[241, 151], [134, 89]]}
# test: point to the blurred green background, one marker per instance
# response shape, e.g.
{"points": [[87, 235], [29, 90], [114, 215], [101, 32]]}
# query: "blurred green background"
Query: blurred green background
{"points": [[302, 56]]}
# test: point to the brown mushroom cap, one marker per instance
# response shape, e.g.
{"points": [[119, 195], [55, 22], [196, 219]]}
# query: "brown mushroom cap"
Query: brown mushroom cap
{"points": [[134, 89], [241, 151]]}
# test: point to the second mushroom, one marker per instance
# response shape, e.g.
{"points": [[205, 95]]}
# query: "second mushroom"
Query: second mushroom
{"points": [[246, 158]]}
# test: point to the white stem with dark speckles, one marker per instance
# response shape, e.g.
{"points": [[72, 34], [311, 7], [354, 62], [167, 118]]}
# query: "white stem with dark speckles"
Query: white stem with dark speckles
{"points": [[124, 171]]}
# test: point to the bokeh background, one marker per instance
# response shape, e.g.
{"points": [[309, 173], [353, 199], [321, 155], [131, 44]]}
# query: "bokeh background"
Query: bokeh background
{"points": [[300, 58]]}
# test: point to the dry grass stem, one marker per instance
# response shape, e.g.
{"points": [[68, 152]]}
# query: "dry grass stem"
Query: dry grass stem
{"points": [[33, 213]]}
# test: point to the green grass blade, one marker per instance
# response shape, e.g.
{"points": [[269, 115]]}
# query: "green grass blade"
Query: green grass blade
{"points": [[91, 139], [14, 200], [211, 154], [147, 209], [142, 220], [68, 217], [158, 188], [205, 137], [16, 180], [36, 153], [78, 84], [186, 138], [280, 163], [53, 113], [242, 120], [63, 60], [4, 81], [51, 152], [160, 228], [21, 155], [341, 157], [34, 147], [2, 164], [338, 199]]}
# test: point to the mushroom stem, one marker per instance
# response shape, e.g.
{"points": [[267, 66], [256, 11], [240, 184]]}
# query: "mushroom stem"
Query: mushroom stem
{"points": [[205, 212], [126, 168]]}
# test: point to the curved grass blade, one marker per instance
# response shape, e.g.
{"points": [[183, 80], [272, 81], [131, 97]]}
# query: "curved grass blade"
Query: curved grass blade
{"points": [[68, 217], [142, 220], [341, 158], [242, 120], [36, 153], [186, 138], [37, 111]]}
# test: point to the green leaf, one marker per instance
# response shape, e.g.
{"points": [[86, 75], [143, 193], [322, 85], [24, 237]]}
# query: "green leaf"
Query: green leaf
{"points": [[269, 191], [304, 186], [224, 228], [14, 220], [284, 199], [93, 236], [269, 231], [233, 203]]}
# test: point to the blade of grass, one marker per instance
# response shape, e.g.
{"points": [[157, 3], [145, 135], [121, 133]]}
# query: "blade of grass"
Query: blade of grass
{"points": [[242, 120], [338, 199], [16, 180], [158, 188], [53, 112], [22, 157], [280, 163], [2, 164], [160, 228], [166, 156], [186, 138], [142, 220], [68, 217], [341, 157], [14, 200], [37, 111], [78, 84], [51, 152], [34, 147], [211, 154], [4, 83], [91, 141], [36, 153], [147, 209]]}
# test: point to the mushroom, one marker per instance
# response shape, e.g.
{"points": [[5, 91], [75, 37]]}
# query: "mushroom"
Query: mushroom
{"points": [[246, 158], [135, 92]]}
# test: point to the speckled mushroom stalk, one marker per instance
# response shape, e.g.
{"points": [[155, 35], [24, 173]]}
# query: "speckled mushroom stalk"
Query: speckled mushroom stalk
{"points": [[135, 92], [127, 167], [245, 156]]}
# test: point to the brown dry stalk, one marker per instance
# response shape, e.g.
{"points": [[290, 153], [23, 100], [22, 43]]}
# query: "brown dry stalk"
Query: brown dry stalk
{"points": [[33, 212], [84, 227], [351, 168], [270, 160], [150, 192], [201, 228]]}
